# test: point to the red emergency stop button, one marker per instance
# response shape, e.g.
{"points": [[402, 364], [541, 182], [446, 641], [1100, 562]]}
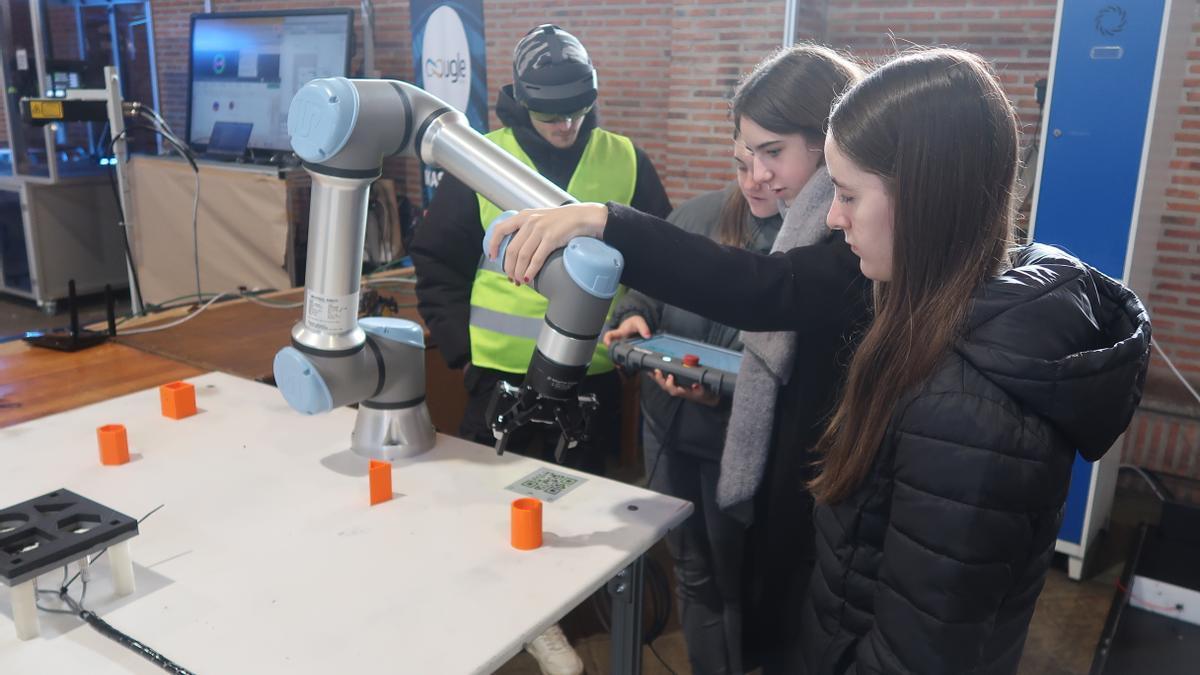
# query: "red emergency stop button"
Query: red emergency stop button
{"points": [[691, 360]]}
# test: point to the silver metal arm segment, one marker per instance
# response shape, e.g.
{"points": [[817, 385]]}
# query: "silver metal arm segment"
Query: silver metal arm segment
{"points": [[344, 130]]}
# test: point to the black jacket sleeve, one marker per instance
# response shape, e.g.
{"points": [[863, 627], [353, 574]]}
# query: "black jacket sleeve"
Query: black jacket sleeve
{"points": [[649, 195], [445, 251], [749, 291]]}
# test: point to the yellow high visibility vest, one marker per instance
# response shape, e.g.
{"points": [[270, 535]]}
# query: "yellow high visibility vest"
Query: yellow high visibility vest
{"points": [[505, 319]]}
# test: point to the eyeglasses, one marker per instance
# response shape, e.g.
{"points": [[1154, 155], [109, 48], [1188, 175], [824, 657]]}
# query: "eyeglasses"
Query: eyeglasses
{"points": [[552, 118]]}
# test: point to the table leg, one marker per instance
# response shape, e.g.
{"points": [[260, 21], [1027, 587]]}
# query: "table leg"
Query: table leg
{"points": [[24, 609], [121, 563], [626, 592]]}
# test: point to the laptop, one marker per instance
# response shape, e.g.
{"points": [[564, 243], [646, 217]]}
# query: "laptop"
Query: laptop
{"points": [[228, 141]]}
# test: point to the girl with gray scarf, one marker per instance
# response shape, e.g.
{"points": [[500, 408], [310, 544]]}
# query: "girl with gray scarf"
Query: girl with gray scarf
{"points": [[743, 559]]}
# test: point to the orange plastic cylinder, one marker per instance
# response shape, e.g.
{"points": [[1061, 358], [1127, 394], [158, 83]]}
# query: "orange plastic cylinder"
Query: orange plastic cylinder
{"points": [[114, 444], [526, 523]]}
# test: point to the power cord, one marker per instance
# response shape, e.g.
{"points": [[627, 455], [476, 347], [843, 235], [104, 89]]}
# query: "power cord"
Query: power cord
{"points": [[155, 123], [1171, 364], [100, 625], [160, 126]]}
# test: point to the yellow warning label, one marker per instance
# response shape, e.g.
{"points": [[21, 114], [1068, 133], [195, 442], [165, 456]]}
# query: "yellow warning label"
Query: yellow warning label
{"points": [[46, 110]]}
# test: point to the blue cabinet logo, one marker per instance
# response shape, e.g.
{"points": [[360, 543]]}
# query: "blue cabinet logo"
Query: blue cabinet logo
{"points": [[1110, 20]]}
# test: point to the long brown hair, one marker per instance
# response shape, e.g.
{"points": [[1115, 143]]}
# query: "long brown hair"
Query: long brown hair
{"points": [[735, 213], [788, 92], [732, 222], [792, 90], [937, 128]]}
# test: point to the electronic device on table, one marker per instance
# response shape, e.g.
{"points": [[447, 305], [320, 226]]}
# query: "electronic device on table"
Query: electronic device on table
{"points": [[245, 67], [689, 361], [229, 141]]}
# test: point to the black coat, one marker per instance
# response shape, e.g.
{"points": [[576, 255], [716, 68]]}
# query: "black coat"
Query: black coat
{"points": [[448, 243], [817, 291], [935, 563]]}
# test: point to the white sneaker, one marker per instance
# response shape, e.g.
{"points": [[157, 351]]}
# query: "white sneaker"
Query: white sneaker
{"points": [[554, 654]]}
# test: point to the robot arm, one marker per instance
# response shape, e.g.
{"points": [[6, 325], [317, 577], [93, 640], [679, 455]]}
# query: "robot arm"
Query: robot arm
{"points": [[343, 130]]}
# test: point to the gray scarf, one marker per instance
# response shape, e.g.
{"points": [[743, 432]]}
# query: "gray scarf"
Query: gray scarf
{"points": [[767, 366]]}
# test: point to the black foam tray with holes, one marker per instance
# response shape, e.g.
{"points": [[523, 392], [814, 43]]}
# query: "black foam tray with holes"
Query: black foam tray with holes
{"points": [[62, 527]]}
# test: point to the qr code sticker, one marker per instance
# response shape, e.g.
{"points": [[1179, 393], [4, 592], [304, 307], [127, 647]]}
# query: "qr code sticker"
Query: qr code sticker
{"points": [[546, 485]]}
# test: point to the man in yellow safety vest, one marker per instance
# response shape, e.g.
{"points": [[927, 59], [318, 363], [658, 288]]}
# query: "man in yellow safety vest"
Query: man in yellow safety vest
{"points": [[478, 319]]}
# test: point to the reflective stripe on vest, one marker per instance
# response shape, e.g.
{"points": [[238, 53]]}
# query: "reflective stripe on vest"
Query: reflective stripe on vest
{"points": [[505, 319]]}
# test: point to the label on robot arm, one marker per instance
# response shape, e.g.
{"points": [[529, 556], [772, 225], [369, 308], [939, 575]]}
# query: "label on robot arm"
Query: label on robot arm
{"points": [[334, 313]]}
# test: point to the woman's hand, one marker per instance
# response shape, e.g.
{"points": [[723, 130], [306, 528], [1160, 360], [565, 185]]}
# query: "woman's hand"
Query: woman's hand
{"points": [[540, 232], [634, 324], [696, 393]]}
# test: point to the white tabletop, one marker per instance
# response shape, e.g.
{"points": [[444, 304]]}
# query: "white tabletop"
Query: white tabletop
{"points": [[267, 558]]}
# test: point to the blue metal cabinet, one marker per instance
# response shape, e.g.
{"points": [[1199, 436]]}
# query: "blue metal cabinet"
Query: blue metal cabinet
{"points": [[1116, 70]]}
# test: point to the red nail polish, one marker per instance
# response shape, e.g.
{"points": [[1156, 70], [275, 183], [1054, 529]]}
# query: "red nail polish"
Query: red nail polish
{"points": [[526, 279]]}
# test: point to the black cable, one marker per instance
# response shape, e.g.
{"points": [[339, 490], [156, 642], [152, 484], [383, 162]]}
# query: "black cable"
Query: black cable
{"points": [[136, 646], [106, 629], [186, 153]]}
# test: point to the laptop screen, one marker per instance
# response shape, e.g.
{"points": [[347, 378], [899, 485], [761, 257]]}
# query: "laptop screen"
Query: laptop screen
{"points": [[229, 139]]}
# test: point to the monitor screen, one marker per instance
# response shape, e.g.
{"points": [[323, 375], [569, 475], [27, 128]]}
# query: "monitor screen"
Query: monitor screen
{"points": [[245, 68]]}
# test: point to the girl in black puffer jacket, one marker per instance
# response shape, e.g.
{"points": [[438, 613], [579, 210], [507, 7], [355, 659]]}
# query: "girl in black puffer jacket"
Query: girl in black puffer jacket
{"points": [[945, 466], [946, 463]]}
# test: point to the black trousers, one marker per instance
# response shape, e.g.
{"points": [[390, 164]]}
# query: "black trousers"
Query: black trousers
{"points": [[536, 440], [708, 549]]}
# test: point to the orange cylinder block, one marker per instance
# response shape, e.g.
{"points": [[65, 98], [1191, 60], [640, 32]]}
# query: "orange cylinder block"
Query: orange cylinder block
{"points": [[526, 524], [114, 444]]}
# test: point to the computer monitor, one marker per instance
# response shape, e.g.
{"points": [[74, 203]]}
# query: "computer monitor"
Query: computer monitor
{"points": [[245, 67]]}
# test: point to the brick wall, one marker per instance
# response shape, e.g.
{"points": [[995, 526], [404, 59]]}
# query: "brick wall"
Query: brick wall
{"points": [[1015, 35], [1166, 433]]}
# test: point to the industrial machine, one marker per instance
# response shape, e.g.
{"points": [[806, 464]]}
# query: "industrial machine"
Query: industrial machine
{"points": [[58, 214], [343, 130]]}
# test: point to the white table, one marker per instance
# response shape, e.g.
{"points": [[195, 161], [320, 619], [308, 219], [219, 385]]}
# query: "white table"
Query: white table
{"points": [[267, 558]]}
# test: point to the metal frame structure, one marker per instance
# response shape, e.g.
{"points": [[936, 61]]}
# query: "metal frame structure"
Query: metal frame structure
{"points": [[65, 220]]}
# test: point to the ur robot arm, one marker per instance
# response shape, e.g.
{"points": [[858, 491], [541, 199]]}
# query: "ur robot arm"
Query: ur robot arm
{"points": [[343, 130]]}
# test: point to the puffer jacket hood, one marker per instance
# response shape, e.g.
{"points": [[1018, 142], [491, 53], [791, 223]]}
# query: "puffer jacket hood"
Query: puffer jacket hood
{"points": [[1064, 340]]}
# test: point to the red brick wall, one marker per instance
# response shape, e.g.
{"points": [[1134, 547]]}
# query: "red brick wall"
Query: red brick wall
{"points": [[1175, 299], [1166, 434], [1015, 35]]}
